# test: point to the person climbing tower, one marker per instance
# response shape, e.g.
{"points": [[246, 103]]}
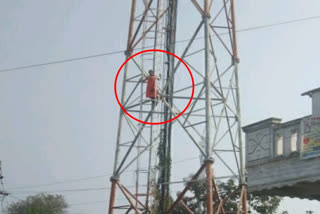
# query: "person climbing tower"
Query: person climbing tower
{"points": [[152, 90]]}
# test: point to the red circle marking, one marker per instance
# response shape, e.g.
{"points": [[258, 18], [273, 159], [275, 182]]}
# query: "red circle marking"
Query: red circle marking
{"points": [[153, 50]]}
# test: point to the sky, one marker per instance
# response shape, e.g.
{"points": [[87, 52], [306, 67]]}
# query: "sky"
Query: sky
{"points": [[58, 122]]}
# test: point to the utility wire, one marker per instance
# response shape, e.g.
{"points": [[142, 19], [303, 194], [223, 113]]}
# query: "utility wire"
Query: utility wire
{"points": [[108, 188], [61, 182], [62, 190], [86, 178], [87, 203], [61, 61], [180, 41]]}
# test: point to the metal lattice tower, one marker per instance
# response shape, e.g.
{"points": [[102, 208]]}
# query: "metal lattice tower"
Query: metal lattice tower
{"points": [[212, 123], [3, 193]]}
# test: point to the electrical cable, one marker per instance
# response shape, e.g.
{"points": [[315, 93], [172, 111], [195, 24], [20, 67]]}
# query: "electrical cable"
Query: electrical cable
{"points": [[108, 188], [180, 41], [84, 178]]}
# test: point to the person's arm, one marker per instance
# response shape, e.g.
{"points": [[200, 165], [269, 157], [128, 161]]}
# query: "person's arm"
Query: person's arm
{"points": [[144, 80]]}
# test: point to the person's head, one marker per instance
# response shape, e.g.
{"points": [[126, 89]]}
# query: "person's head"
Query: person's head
{"points": [[151, 72]]}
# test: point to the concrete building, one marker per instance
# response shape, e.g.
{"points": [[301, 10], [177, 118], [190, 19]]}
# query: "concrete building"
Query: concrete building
{"points": [[284, 158]]}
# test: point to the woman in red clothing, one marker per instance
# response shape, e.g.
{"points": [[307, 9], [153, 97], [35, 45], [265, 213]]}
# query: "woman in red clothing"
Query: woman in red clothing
{"points": [[152, 91]]}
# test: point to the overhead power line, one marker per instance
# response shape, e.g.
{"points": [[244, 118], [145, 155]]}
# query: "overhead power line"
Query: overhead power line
{"points": [[108, 188], [61, 182], [180, 41], [61, 61], [85, 178], [87, 203], [61, 190]]}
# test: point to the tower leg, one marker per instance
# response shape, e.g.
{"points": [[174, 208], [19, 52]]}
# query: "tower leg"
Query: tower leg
{"points": [[112, 195], [209, 182], [244, 200]]}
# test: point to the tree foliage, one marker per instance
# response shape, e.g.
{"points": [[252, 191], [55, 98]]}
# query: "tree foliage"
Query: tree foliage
{"points": [[264, 204], [39, 204], [196, 199]]}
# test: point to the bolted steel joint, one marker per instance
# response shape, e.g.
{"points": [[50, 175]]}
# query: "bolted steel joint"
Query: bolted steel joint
{"points": [[206, 16], [114, 178], [209, 160], [128, 53], [235, 60]]}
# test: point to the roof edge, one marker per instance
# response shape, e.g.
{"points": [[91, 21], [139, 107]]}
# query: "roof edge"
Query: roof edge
{"points": [[310, 92]]}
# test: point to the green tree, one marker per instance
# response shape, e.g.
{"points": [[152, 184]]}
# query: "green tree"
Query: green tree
{"points": [[264, 204], [196, 199], [309, 212], [39, 204]]}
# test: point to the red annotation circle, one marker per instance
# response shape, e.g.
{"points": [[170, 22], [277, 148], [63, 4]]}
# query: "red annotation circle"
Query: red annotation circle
{"points": [[145, 51]]}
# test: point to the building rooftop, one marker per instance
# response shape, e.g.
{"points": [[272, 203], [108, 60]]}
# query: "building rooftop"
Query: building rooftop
{"points": [[309, 93]]}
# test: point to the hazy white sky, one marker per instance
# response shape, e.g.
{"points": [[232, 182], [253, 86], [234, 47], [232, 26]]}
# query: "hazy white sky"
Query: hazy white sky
{"points": [[58, 122]]}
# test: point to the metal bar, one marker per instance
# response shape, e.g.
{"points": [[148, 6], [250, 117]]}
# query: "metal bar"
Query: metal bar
{"points": [[193, 68], [135, 105], [188, 45], [223, 150], [128, 211], [209, 186], [183, 89], [234, 34], [222, 42], [185, 52], [228, 23], [193, 105], [214, 119], [222, 110], [223, 27], [228, 167], [199, 109], [193, 115], [198, 7], [242, 167], [133, 77], [211, 1], [240, 202], [227, 116], [236, 61], [124, 85], [244, 200], [186, 207], [133, 128], [137, 156], [133, 196], [207, 80], [189, 123], [219, 12], [144, 33], [127, 197], [195, 52], [141, 69], [135, 100], [220, 207], [195, 124], [195, 98], [222, 74], [191, 137], [188, 185], [112, 196], [133, 143], [139, 25], [134, 89], [223, 135], [132, 17]]}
